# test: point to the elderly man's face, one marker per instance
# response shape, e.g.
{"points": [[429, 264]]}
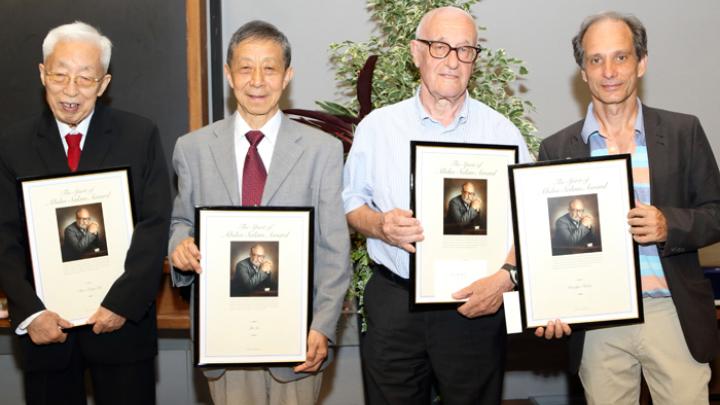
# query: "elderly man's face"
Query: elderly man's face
{"points": [[468, 193], [445, 78], [258, 77], [70, 103], [611, 67], [83, 219], [576, 210], [257, 255]]}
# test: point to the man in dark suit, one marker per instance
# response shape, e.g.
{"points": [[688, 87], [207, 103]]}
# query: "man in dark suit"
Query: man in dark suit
{"points": [[465, 212], [677, 188], [81, 237], [249, 273], [574, 230], [120, 344]]}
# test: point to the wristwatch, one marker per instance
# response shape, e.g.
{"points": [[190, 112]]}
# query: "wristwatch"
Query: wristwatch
{"points": [[513, 272]]}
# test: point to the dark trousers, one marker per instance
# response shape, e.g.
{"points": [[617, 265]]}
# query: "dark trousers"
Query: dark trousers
{"points": [[114, 384], [403, 352]]}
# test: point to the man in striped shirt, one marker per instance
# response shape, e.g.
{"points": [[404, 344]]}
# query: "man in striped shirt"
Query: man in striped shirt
{"points": [[677, 211]]}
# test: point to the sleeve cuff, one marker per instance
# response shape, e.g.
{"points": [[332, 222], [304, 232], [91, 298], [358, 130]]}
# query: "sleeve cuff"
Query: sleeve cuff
{"points": [[22, 328]]}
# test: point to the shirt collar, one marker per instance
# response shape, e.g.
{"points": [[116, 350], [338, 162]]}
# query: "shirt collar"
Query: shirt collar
{"points": [[270, 129], [592, 126], [424, 116], [81, 128]]}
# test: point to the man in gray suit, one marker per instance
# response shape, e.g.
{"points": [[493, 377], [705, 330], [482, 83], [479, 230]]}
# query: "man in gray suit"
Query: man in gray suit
{"points": [[217, 165]]}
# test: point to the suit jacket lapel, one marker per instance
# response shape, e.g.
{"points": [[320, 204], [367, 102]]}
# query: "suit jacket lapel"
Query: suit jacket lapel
{"points": [[49, 146], [222, 147], [99, 140], [656, 149], [285, 156], [577, 147]]}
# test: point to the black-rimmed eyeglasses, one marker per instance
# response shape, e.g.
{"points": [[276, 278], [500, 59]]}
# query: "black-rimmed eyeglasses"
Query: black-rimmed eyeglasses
{"points": [[440, 50]]}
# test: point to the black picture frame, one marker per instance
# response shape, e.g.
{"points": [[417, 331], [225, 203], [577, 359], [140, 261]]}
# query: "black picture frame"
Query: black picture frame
{"points": [[556, 277], [440, 173], [264, 318]]}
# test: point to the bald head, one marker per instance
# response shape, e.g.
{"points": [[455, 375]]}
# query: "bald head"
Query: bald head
{"points": [[82, 218], [442, 16]]}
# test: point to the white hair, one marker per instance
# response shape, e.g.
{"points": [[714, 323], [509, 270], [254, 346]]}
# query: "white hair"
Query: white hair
{"points": [[78, 31], [420, 30]]}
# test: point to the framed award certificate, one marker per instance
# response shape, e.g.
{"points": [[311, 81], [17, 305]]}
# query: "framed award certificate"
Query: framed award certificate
{"points": [[460, 195], [253, 298], [79, 228], [576, 257]]}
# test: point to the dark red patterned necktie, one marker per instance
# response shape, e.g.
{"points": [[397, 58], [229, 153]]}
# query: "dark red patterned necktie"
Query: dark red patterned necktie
{"points": [[73, 153], [254, 173]]}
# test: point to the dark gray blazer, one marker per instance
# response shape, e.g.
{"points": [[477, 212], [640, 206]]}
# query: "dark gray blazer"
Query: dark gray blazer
{"points": [[685, 186]]}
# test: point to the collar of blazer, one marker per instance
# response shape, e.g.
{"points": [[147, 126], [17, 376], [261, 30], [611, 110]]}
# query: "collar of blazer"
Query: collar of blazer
{"points": [[287, 152], [97, 144]]}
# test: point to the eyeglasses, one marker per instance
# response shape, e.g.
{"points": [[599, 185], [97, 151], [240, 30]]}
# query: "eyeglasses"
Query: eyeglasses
{"points": [[61, 79], [440, 50]]}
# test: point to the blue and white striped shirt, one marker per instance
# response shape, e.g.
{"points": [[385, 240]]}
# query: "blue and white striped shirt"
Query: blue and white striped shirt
{"points": [[652, 275]]}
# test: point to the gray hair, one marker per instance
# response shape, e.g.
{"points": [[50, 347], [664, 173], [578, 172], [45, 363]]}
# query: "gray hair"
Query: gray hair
{"points": [[260, 30], [78, 31], [639, 35]]}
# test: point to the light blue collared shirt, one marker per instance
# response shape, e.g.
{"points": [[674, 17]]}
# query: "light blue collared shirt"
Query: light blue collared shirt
{"points": [[651, 270], [377, 171]]}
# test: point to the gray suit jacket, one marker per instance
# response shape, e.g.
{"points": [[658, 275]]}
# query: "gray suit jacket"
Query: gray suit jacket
{"points": [[306, 170], [76, 242]]}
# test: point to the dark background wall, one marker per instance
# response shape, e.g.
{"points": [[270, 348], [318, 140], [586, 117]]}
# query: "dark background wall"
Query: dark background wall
{"points": [[148, 62]]}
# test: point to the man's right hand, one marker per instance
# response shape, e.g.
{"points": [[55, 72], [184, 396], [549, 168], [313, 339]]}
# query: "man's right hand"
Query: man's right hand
{"points": [[587, 221], [93, 227], [186, 256], [46, 328], [399, 228], [555, 329]]}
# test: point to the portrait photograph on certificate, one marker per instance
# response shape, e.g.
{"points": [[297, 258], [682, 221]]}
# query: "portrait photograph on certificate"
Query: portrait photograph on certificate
{"points": [[460, 195], [79, 229], [253, 299], [576, 257]]}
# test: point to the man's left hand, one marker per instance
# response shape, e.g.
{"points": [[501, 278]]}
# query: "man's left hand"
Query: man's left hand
{"points": [[317, 352], [647, 224], [484, 295], [105, 320]]}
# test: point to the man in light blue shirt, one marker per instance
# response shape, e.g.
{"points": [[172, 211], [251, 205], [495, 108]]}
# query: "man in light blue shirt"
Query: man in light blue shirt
{"points": [[403, 351]]}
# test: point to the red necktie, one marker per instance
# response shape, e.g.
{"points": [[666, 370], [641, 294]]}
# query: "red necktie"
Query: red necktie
{"points": [[254, 173], [73, 153]]}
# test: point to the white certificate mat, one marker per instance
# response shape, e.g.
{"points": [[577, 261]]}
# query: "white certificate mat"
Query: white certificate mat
{"points": [[577, 259], [79, 229], [460, 195], [254, 295]]}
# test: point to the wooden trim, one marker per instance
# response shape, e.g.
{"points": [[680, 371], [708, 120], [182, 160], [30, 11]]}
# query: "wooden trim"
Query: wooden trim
{"points": [[195, 19], [173, 312]]}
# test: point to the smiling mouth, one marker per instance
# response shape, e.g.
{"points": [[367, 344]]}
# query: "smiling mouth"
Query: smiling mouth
{"points": [[70, 107], [611, 86]]}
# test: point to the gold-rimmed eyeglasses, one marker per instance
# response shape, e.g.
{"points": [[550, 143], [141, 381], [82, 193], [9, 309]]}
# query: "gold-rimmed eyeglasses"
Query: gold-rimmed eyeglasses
{"points": [[440, 50], [62, 79]]}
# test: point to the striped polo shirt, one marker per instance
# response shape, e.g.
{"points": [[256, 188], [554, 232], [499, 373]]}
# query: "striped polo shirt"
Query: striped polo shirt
{"points": [[653, 279]]}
